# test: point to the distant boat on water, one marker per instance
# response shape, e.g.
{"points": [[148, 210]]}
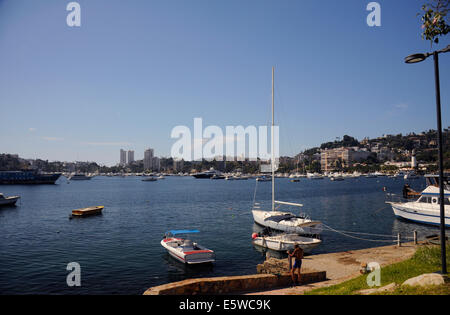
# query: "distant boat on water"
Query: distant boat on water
{"points": [[8, 201], [79, 176], [28, 177], [263, 179], [207, 174], [411, 175], [87, 211], [314, 176]]}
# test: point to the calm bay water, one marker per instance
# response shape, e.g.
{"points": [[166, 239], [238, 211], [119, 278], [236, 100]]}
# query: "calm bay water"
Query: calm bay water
{"points": [[120, 252]]}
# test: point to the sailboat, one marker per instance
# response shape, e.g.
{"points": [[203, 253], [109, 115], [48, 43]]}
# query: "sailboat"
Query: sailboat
{"points": [[280, 220]]}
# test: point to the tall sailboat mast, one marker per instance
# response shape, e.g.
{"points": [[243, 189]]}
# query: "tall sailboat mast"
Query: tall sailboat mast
{"points": [[273, 145]]}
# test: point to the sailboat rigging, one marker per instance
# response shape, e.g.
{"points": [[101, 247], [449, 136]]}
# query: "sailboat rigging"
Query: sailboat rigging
{"points": [[279, 220]]}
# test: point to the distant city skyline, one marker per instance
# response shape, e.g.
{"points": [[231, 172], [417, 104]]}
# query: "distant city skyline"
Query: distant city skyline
{"points": [[133, 72]]}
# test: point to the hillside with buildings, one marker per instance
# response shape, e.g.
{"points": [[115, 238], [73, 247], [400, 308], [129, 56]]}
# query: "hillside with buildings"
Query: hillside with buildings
{"points": [[346, 154]]}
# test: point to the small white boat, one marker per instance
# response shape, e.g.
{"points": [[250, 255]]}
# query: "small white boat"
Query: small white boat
{"points": [[285, 242], [161, 177], [410, 175], [149, 179], [185, 250], [8, 201], [315, 176], [337, 178]]}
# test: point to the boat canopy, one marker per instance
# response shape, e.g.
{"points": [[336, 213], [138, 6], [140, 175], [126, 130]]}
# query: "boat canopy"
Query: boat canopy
{"points": [[433, 190], [175, 232], [278, 218]]}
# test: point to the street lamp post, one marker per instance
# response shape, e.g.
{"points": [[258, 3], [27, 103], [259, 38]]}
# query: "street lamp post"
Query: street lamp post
{"points": [[415, 59]]}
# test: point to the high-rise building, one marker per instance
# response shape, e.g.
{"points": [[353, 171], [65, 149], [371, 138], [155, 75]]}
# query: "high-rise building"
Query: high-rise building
{"points": [[156, 164], [148, 159], [130, 157], [123, 157]]}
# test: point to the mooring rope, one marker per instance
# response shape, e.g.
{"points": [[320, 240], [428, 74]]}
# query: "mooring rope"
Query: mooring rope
{"points": [[346, 233]]}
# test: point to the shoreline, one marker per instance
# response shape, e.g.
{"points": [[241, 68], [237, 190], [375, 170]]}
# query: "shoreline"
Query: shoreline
{"points": [[272, 277]]}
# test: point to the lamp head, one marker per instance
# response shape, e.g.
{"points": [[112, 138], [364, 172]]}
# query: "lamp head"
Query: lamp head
{"points": [[416, 58]]}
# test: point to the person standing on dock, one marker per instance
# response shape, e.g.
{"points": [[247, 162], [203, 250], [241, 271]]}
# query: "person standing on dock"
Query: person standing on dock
{"points": [[298, 256]]}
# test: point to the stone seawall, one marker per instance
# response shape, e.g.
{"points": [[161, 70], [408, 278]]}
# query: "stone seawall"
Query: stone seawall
{"points": [[232, 285]]}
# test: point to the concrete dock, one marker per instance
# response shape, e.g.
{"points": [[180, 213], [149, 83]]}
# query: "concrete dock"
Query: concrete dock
{"points": [[339, 267], [272, 276]]}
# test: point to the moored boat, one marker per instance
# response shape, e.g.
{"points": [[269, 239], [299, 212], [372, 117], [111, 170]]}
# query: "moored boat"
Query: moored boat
{"points": [[278, 220], [184, 250], [287, 222], [28, 177], [207, 174], [79, 176], [8, 201], [426, 209], [314, 176], [263, 179], [84, 212], [286, 242]]}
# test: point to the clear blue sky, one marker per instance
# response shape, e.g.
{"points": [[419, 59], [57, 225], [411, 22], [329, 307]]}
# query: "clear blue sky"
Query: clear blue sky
{"points": [[136, 69]]}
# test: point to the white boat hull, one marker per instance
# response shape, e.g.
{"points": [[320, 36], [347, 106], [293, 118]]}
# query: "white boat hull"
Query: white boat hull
{"points": [[426, 216], [300, 226], [10, 201], [286, 243], [200, 256]]}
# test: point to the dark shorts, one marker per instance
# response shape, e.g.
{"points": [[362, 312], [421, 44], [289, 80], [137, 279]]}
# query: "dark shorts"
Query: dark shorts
{"points": [[297, 264]]}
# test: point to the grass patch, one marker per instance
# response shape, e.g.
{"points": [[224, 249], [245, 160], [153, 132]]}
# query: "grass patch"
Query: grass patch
{"points": [[427, 259]]}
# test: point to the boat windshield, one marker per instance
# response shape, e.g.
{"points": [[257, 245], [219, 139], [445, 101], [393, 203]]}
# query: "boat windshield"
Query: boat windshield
{"points": [[433, 180]]}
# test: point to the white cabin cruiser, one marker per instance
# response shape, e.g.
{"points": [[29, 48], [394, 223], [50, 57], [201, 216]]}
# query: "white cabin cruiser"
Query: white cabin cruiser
{"points": [[426, 209], [185, 250], [8, 201], [286, 242]]}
